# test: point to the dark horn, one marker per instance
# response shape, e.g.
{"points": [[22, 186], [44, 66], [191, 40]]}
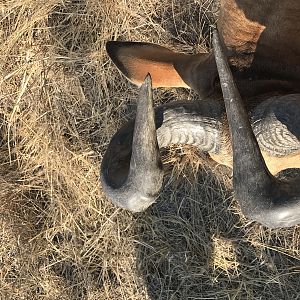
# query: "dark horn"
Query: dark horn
{"points": [[261, 196], [133, 180]]}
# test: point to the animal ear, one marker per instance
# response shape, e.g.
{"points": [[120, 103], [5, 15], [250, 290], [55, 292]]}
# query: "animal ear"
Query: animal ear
{"points": [[167, 68], [135, 60]]}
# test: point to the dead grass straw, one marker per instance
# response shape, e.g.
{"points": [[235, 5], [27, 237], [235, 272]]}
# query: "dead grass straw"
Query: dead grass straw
{"points": [[61, 100]]}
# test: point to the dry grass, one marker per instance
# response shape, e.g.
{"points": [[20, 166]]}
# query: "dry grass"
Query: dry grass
{"points": [[61, 100]]}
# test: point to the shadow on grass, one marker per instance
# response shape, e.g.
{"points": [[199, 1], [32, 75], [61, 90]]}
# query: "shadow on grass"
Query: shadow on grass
{"points": [[193, 244]]}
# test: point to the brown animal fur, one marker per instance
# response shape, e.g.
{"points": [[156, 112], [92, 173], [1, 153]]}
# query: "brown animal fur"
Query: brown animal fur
{"points": [[263, 45]]}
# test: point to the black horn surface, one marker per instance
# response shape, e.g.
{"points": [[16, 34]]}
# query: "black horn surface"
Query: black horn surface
{"points": [[132, 179], [262, 197], [131, 170]]}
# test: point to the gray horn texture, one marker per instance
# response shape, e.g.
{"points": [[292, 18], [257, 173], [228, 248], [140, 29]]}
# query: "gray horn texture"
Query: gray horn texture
{"points": [[132, 176], [131, 171], [276, 125], [262, 197]]}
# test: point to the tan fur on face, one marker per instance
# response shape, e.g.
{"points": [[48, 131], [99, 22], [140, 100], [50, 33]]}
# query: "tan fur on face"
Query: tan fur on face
{"points": [[239, 33], [274, 164]]}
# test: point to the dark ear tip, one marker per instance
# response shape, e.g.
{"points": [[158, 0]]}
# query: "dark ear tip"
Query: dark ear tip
{"points": [[111, 48], [108, 45]]}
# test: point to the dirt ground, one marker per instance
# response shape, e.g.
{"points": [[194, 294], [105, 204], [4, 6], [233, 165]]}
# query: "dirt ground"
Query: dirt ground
{"points": [[61, 100]]}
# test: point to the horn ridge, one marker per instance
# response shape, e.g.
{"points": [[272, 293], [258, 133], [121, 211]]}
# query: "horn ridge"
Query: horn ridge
{"points": [[261, 196], [141, 182]]}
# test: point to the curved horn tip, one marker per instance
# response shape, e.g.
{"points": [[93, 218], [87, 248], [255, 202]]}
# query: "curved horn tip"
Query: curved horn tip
{"points": [[144, 178], [145, 91], [148, 80]]}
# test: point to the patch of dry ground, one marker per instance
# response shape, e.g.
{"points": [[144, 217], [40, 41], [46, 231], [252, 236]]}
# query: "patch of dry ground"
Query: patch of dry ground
{"points": [[61, 99]]}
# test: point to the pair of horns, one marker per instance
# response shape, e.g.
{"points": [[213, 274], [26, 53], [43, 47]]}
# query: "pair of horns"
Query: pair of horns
{"points": [[262, 197]]}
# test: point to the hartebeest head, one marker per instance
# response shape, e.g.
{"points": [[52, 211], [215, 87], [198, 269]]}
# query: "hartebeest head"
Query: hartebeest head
{"points": [[131, 171]]}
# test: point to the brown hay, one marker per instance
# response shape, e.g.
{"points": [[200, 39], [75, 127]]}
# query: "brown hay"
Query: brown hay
{"points": [[61, 99]]}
